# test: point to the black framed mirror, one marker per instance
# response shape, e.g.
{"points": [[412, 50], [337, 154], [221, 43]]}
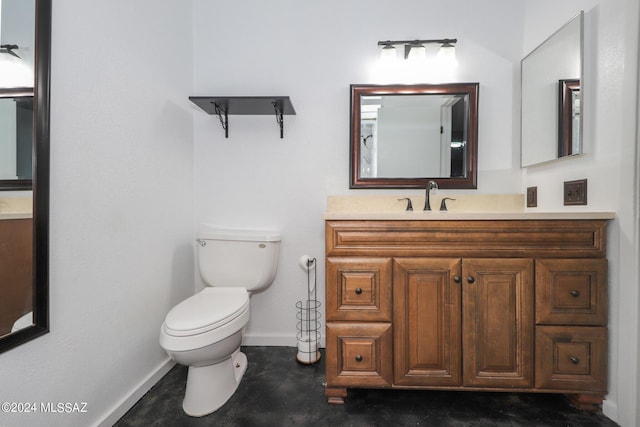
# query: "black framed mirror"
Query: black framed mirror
{"points": [[35, 240], [403, 136]]}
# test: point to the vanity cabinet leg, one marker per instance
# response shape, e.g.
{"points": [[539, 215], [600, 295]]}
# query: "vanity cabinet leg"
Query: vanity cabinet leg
{"points": [[586, 402], [335, 395]]}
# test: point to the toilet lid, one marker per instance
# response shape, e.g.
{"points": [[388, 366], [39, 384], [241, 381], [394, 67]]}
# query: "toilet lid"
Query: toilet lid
{"points": [[206, 310]]}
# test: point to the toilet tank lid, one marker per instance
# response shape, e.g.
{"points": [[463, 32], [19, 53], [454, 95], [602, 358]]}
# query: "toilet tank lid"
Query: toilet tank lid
{"points": [[208, 232]]}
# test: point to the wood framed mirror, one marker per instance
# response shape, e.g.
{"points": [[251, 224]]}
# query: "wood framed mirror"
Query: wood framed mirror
{"points": [[403, 136], [33, 239]]}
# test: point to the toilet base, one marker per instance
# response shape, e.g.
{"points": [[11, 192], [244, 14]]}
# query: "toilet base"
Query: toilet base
{"points": [[209, 387]]}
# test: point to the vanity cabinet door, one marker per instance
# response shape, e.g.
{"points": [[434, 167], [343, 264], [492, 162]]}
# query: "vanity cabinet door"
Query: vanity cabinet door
{"points": [[426, 310], [358, 289], [498, 322]]}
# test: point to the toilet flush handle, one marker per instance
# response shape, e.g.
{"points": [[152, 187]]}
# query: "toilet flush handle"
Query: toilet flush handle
{"points": [[202, 242]]}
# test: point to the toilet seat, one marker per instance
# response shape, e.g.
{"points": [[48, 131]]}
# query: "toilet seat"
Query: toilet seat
{"points": [[205, 311]]}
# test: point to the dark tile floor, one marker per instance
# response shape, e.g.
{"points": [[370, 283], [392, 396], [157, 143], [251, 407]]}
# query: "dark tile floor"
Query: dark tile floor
{"points": [[278, 391]]}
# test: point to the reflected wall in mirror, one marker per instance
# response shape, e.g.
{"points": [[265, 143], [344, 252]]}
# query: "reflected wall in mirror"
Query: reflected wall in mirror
{"points": [[16, 139], [551, 97], [17, 61], [403, 136], [24, 219]]}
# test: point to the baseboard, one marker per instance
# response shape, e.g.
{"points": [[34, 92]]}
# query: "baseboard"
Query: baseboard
{"points": [[610, 409], [288, 340], [136, 394], [254, 340]]}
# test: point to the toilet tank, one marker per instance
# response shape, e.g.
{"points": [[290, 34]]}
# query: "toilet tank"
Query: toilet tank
{"points": [[238, 258]]}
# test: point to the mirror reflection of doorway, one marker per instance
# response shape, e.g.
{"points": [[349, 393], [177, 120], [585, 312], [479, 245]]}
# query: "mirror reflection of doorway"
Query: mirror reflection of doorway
{"points": [[24, 137], [453, 137]]}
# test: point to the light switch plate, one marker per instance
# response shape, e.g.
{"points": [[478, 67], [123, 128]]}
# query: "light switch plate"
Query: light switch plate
{"points": [[532, 197], [575, 192]]}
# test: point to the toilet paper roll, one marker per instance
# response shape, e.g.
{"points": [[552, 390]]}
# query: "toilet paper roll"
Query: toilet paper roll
{"points": [[308, 347], [307, 263]]}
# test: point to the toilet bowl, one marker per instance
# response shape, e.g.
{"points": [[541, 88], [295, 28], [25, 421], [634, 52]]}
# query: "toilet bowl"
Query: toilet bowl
{"points": [[23, 322], [204, 332]]}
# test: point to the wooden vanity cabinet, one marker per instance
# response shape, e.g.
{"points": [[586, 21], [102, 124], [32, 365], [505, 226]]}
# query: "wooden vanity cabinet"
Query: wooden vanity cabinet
{"points": [[470, 305], [16, 271]]}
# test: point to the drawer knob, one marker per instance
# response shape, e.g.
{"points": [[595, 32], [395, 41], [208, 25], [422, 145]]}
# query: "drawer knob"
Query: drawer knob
{"points": [[575, 293], [358, 291], [470, 279], [456, 279], [574, 360], [358, 358]]}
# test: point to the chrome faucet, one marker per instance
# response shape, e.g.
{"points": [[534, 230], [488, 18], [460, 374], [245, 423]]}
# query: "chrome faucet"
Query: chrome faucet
{"points": [[432, 185]]}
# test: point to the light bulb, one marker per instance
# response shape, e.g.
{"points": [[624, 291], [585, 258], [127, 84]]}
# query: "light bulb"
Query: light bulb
{"points": [[388, 53], [14, 72], [447, 55], [417, 52]]}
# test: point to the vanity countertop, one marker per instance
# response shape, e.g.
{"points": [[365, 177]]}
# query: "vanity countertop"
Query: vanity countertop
{"points": [[464, 216], [25, 215], [16, 207], [466, 207]]}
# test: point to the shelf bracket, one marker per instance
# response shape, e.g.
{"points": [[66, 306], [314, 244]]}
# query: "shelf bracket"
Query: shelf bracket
{"points": [[223, 121], [279, 117]]}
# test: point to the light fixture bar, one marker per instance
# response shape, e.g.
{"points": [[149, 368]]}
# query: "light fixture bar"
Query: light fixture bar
{"points": [[414, 50], [394, 42]]}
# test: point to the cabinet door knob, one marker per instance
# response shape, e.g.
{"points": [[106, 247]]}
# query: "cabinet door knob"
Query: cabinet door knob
{"points": [[470, 279], [358, 291], [574, 360], [457, 279], [358, 358], [575, 293]]}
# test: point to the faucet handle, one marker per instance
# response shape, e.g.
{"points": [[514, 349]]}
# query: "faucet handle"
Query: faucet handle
{"points": [[443, 204], [409, 205]]}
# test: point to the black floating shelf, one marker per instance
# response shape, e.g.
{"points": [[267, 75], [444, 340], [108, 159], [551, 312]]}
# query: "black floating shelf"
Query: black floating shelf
{"points": [[223, 106]]}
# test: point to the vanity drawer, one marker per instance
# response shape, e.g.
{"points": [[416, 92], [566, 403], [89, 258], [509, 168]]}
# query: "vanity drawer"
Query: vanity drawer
{"points": [[571, 358], [571, 291], [480, 239], [359, 289], [359, 354]]}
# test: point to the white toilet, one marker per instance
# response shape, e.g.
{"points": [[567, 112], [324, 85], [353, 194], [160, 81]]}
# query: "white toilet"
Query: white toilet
{"points": [[205, 331]]}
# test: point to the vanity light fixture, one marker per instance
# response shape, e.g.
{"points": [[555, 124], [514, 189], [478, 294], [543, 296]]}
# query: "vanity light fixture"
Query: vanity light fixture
{"points": [[447, 54], [415, 49], [9, 48], [388, 52], [415, 52]]}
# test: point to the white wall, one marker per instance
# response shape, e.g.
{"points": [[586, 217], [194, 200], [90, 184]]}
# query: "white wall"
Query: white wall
{"points": [[312, 52], [609, 163], [121, 207]]}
